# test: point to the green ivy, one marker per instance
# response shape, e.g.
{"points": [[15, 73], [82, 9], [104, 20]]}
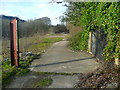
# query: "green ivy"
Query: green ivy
{"points": [[79, 41], [96, 16]]}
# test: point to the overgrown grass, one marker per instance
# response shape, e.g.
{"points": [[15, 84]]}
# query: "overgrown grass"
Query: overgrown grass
{"points": [[43, 45], [25, 62], [79, 41], [26, 43], [0, 57], [9, 71], [43, 83]]}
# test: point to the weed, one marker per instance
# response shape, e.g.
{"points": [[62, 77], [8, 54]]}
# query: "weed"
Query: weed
{"points": [[43, 83], [21, 72], [7, 72], [54, 73]]}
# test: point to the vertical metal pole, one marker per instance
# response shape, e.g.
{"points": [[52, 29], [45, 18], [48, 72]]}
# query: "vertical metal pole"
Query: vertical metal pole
{"points": [[14, 43]]}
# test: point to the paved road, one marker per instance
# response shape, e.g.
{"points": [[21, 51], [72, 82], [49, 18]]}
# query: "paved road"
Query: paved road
{"points": [[59, 81], [58, 58]]}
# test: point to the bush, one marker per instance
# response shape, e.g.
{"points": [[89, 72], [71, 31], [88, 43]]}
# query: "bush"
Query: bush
{"points": [[79, 41]]}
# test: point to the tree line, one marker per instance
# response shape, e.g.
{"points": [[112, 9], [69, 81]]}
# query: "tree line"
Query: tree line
{"points": [[28, 28]]}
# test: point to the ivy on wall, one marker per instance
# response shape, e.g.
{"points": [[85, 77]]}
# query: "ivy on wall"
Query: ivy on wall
{"points": [[96, 16], [79, 41]]}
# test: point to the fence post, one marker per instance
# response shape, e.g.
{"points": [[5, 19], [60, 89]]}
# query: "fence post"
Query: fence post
{"points": [[117, 62], [90, 42], [14, 49]]}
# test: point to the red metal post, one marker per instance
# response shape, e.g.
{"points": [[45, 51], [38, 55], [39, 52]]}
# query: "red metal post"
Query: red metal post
{"points": [[14, 43]]}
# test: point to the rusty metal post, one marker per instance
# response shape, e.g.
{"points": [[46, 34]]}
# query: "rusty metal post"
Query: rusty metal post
{"points": [[14, 49]]}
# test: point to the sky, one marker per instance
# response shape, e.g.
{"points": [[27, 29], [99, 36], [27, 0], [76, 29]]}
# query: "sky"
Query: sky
{"points": [[33, 9]]}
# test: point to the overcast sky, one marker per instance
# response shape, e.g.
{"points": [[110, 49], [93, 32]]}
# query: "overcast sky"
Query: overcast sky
{"points": [[32, 9]]}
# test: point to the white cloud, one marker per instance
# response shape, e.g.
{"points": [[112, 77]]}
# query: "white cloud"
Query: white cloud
{"points": [[33, 10]]}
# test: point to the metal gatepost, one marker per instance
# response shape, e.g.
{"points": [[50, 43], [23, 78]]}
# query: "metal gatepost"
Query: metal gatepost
{"points": [[14, 43]]}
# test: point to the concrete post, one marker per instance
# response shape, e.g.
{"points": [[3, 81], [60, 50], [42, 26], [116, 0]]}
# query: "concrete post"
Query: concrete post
{"points": [[90, 42], [117, 61]]}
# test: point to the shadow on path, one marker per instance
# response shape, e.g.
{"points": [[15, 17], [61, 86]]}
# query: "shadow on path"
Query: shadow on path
{"points": [[42, 65]]}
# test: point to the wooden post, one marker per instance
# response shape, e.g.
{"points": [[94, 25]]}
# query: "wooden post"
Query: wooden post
{"points": [[14, 43]]}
